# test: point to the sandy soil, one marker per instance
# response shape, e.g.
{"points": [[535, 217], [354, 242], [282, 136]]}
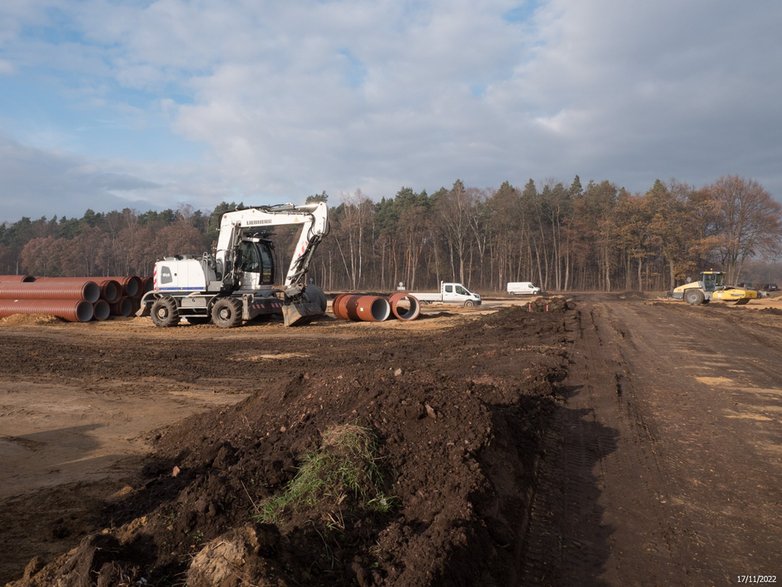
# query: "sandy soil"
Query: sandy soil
{"points": [[622, 441]]}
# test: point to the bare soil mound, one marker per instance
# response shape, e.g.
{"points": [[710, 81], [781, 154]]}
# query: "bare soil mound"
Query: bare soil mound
{"points": [[31, 319], [458, 415]]}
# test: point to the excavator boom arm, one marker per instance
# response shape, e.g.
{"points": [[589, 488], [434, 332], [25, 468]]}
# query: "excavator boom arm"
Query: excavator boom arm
{"points": [[313, 219]]}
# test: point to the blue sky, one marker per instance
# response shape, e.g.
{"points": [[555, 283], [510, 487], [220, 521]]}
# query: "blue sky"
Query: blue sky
{"points": [[161, 103]]}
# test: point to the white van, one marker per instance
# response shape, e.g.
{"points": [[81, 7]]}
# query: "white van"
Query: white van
{"points": [[522, 288]]}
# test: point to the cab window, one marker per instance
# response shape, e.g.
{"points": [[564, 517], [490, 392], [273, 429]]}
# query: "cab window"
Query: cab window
{"points": [[448, 289], [267, 264], [251, 259], [461, 290]]}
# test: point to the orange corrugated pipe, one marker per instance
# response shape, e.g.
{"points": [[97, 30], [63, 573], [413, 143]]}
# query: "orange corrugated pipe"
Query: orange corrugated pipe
{"points": [[71, 310], [131, 284], [51, 290], [110, 290], [101, 310], [123, 307], [147, 284], [17, 278]]}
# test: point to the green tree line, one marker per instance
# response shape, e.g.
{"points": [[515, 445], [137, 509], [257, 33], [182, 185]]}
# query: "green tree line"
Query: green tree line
{"points": [[562, 237]]}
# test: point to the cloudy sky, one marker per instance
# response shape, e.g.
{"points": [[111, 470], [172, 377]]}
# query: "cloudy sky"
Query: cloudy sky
{"points": [[106, 104]]}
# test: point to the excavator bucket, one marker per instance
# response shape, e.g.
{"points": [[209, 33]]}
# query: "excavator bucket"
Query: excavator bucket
{"points": [[304, 308]]}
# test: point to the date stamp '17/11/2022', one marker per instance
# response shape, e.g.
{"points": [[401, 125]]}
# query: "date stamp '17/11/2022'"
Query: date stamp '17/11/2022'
{"points": [[749, 579]]}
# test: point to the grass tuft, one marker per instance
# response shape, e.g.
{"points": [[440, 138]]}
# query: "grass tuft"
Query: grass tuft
{"points": [[342, 475]]}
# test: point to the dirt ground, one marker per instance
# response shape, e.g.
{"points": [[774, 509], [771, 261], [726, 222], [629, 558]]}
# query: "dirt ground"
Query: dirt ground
{"points": [[611, 440]]}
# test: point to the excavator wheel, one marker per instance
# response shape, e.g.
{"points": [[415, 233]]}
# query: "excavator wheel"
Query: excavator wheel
{"points": [[694, 297], [164, 312], [227, 313]]}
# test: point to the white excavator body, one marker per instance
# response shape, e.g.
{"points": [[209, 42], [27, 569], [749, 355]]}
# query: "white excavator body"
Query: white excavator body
{"points": [[238, 282]]}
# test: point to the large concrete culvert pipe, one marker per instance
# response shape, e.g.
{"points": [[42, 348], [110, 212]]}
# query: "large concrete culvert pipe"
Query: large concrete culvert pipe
{"points": [[70, 310], [359, 307], [373, 308], [88, 291], [404, 306], [336, 307]]}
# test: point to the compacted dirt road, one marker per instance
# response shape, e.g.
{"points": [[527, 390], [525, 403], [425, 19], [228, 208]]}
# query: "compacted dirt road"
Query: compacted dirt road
{"points": [[666, 466], [610, 440]]}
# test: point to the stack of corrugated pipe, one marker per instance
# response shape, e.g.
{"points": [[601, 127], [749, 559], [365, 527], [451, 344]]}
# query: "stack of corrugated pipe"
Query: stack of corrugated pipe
{"points": [[374, 308], [75, 299]]}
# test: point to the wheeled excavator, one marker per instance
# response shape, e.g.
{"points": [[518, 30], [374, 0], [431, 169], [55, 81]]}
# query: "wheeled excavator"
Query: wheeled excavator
{"points": [[237, 282], [711, 287]]}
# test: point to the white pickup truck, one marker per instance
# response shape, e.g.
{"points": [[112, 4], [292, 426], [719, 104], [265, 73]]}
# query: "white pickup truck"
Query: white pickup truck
{"points": [[450, 293], [522, 288]]}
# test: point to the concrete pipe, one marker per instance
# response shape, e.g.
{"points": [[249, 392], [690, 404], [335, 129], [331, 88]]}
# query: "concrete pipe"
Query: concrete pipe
{"points": [[361, 307], [88, 291], [404, 306], [70, 310], [110, 290], [17, 278], [373, 308], [344, 306], [101, 310], [336, 307], [124, 307]]}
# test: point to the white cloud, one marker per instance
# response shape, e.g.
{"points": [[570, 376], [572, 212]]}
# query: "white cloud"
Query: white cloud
{"points": [[295, 98], [39, 183]]}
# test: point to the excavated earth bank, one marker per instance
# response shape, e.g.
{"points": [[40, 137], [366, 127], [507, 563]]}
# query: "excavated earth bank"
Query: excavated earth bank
{"points": [[459, 413]]}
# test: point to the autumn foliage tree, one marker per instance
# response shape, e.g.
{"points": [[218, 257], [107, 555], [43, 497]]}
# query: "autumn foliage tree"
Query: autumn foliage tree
{"points": [[596, 236]]}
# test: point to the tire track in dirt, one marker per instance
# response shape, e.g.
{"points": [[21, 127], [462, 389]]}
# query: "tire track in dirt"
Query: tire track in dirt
{"points": [[688, 490], [705, 375], [598, 510]]}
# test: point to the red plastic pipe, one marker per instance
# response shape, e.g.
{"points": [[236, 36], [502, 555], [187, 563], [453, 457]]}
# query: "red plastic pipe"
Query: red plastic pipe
{"points": [[101, 310], [71, 310], [110, 290], [124, 307], [147, 284], [131, 284], [17, 278], [51, 290]]}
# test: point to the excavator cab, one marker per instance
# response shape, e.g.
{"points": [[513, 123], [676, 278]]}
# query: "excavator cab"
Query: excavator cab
{"points": [[256, 262]]}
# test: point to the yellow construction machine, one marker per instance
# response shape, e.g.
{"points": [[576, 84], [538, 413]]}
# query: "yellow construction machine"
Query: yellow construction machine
{"points": [[711, 287]]}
